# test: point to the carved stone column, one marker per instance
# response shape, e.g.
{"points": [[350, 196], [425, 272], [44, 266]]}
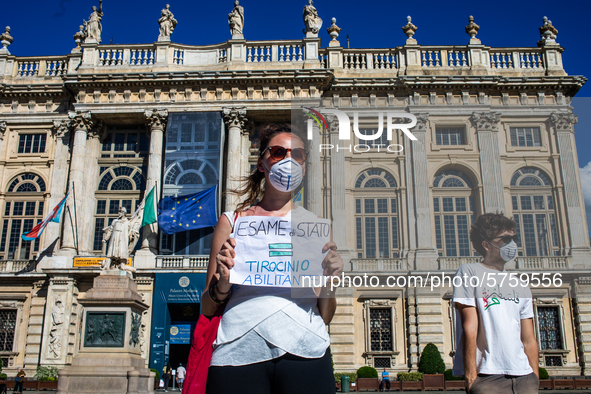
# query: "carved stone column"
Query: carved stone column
{"points": [[235, 119], [575, 208], [156, 123], [487, 124], [314, 173], [337, 188], [62, 320], [2, 131], [81, 122], [426, 254], [59, 175], [91, 179]]}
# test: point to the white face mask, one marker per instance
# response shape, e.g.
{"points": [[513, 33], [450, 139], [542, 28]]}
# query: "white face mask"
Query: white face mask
{"points": [[508, 251], [285, 175]]}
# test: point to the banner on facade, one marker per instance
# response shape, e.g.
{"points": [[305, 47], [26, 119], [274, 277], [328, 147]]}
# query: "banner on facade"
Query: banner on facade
{"points": [[180, 334], [274, 251], [94, 261]]}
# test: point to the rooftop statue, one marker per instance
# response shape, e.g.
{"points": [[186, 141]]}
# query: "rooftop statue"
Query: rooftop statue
{"points": [[167, 24], [236, 21], [121, 235], [93, 28], [311, 19]]}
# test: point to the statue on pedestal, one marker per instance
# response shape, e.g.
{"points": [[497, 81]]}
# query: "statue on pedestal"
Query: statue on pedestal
{"points": [[167, 24], [93, 28], [236, 21], [311, 19], [121, 235]]}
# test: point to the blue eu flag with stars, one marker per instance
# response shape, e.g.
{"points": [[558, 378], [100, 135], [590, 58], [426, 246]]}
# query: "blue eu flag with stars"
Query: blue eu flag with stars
{"points": [[190, 212]]}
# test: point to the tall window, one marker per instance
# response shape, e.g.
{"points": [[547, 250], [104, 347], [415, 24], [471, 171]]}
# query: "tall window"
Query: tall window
{"points": [[22, 211], [376, 215], [380, 326], [130, 141], [450, 135], [381, 142], [533, 211], [549, 327], [525, 136], [31, 143], [453, 205]]}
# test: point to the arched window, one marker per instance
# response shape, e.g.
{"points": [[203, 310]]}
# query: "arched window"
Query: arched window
{"points": [[119, 186], [534, 213], [191, 172], [22, 211], [376, 215], [453, 205]]}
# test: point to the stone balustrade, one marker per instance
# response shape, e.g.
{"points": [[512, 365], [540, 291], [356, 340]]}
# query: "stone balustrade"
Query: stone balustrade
{"points": [[453, 263], [378, 265], [195, 262], [546, 263], [14, 265], [290, 54]]}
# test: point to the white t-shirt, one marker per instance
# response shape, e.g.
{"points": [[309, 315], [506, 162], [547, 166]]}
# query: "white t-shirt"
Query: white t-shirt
{"points": [[180, 372], [500, 309]]}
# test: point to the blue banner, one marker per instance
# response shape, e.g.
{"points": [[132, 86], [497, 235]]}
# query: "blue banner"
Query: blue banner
{"points": [[189, 212], [180, 334]]}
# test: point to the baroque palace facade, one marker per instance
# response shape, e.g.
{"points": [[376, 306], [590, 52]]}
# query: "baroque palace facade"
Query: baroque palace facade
{"points": [[495, 132]]}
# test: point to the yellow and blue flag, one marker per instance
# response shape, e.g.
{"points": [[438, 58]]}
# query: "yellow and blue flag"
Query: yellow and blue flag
{"points": [[189, 212]]}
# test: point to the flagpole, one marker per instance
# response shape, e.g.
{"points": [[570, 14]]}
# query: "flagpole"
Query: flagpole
{"points": [[75, 216]]}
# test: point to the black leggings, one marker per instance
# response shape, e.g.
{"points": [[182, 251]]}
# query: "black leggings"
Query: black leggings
{"points": [[284, 375]]}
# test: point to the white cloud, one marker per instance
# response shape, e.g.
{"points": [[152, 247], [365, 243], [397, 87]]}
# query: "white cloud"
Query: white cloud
{"points": [[586, 186]]}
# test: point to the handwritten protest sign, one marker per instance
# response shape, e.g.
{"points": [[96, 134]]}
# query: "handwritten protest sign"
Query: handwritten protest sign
{"points": [[274, 251]]}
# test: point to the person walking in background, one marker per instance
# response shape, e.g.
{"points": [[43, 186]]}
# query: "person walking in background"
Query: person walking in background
{"points": [[19, 380], [497, 348], [166, 374], [180, 375]]}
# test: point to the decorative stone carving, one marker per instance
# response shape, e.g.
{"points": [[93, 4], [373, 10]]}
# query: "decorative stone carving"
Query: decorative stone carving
{"points": [[486, 120], [156, 118], [234, 117], [547, 33], [80, 120], [79, 37], [60, 128], [563, 121], [334, 30], [2, 130], [6, 40], [121, 235], [104, 329], [236, 21], [421, 122], [167, 24], [55, 333], [134, 335], [409, 29], [472, 28], [93, 28], [312, 20]]}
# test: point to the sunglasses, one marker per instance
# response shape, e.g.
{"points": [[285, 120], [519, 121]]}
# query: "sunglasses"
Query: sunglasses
{"points": [[505, 238], [278, 152]]}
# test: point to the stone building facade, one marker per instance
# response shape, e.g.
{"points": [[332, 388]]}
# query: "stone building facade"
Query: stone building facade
{"points": [[495, 132]]}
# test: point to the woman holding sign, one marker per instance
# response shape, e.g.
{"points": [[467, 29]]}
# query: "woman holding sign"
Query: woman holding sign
{"points": [[270, 339]]}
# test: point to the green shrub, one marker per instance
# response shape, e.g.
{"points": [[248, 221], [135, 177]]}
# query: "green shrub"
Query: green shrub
{"points": [[431, 361], [3, 376], [410, 376], [157, 377], [46, 374], [544, 374], [450, 376], [367, 372], [339, 375]]}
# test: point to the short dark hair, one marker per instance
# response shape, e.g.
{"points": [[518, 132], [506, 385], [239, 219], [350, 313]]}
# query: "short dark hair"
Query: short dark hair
{"points": [[487, 227]]}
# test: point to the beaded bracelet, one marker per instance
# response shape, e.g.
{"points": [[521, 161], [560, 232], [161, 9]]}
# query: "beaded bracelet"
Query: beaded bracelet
{"points": [[215, 299]]}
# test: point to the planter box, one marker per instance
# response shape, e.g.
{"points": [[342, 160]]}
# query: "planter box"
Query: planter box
{"points": [[455, 385], [582, 383], [434, 381], [368, 384], [404, 385], [545, 384], [563, 383], [52, 385], [30, 384]]}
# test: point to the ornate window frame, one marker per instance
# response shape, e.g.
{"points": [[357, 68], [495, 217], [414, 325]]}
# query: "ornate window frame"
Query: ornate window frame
{"points": [[543, 137], [13, 302], [369, 354], [555, 299], [468, 138]]}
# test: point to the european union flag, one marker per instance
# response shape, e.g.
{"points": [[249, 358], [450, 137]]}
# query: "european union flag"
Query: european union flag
{"points": [[190, 212]]}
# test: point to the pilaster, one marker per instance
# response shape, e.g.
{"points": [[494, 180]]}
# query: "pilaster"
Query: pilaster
{"points": [[314, 173], [582, 313], [35, 329], [235, 119], [425, 322], [487, 125], [563, 124], [342, 332]]}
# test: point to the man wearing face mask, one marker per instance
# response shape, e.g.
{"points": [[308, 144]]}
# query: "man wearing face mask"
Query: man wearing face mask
{"points": [[497, 350]]}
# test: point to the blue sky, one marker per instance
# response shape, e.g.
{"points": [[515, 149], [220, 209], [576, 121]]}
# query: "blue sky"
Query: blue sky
{"points": [[46, 28]]}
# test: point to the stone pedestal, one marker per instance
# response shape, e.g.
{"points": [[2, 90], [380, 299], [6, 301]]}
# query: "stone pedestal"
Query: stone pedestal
{"points": [[109, 359]]}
